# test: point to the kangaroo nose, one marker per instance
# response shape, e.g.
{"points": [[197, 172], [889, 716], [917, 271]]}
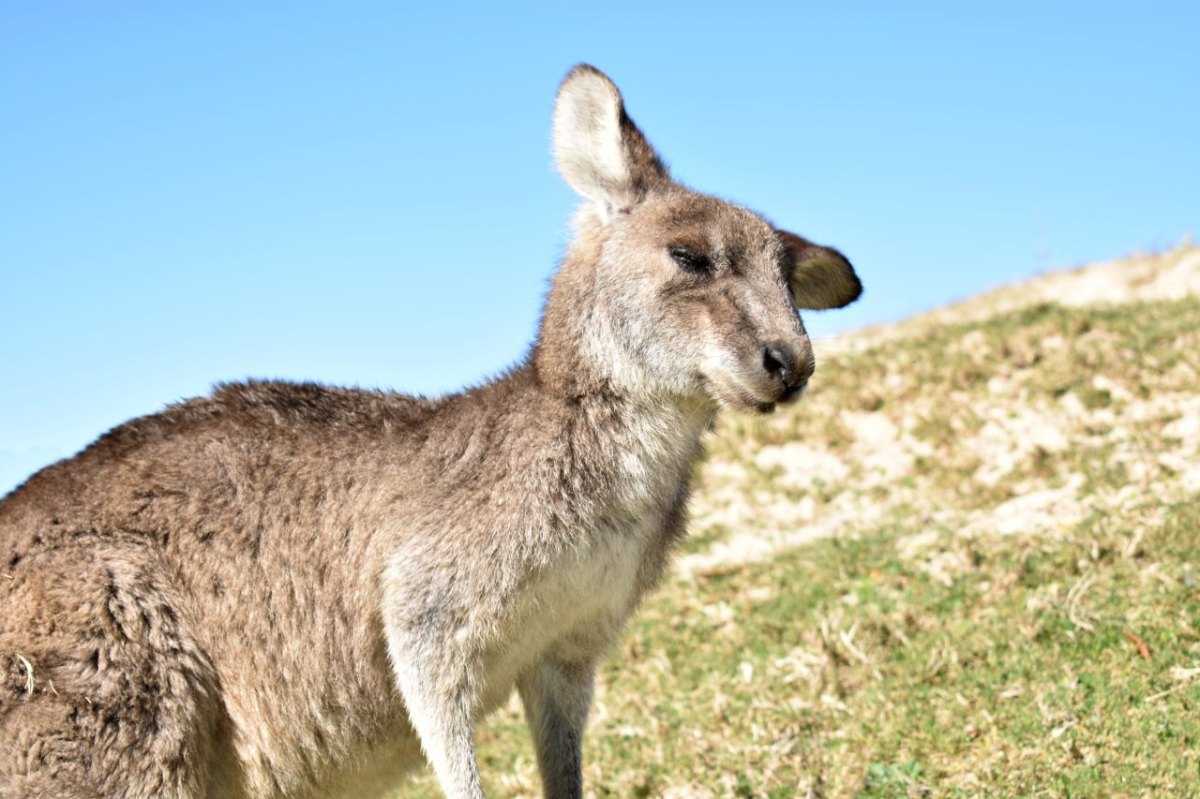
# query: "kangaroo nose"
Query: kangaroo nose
{"points": [[782, 364], [779, 362]]}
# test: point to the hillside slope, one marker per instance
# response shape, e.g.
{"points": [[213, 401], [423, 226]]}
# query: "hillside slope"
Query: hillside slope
{"points": [[985, 415], [965, 565]]}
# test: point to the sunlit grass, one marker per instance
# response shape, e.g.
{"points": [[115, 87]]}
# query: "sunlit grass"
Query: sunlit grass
{"points": [[929, 650]]}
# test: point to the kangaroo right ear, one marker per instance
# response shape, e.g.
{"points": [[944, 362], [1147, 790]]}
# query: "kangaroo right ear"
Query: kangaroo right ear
{"points": [[598, 149]]}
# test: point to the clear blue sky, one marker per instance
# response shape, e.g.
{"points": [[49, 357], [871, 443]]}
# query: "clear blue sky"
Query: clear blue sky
{"points": [[363, 193]]}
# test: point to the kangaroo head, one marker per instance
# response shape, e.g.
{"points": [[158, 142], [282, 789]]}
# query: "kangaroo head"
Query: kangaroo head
{"points": [[679, 292]]}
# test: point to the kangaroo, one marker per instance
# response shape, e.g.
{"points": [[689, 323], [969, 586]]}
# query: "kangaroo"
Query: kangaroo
{"points": [[293, 590]]}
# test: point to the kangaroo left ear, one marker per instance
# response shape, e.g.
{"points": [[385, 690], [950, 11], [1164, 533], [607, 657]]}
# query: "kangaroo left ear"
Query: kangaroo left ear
{"points": [[820, 277]]}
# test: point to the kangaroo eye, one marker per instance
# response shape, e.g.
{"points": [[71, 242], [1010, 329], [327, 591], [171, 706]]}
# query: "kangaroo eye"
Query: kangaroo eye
{"points": [[690, 261]]}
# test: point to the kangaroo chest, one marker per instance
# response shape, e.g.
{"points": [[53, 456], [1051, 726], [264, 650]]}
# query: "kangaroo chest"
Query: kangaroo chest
{"points": [[575, 607]]}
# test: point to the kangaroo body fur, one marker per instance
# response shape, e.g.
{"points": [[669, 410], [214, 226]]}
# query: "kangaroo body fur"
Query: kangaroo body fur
{"points": [[291, 590]]}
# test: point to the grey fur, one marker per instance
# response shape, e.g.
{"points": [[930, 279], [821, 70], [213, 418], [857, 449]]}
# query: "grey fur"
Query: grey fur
{"points": [[290, 590]]}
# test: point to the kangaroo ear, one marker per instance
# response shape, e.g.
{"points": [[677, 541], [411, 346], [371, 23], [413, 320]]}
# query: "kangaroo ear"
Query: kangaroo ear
{"points": [[820, 277], [598, 149]]}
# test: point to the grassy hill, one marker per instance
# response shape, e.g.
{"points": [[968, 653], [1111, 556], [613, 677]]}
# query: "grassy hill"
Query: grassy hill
{"points": [[968, 564]]}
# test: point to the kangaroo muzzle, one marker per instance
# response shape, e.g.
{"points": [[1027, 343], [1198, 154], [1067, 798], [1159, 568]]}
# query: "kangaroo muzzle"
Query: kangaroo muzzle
{"points": [[789, 367]]}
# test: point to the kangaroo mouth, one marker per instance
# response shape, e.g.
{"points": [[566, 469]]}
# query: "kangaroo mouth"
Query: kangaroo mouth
{"points": [[743, 395], [792, 394]]}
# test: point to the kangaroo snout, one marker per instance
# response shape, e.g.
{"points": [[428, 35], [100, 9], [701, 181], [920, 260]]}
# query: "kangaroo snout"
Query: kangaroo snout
{"points": [[790, 366]]}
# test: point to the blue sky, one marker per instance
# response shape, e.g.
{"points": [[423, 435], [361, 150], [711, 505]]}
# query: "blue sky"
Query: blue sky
{"points": [[363, 193]]}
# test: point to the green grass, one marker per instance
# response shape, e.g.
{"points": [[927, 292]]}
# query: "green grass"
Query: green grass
{"points": [[846, 669], [904, 657]]}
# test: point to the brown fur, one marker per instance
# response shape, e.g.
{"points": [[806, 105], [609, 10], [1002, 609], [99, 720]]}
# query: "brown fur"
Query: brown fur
{"points": [[289, 590]]}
